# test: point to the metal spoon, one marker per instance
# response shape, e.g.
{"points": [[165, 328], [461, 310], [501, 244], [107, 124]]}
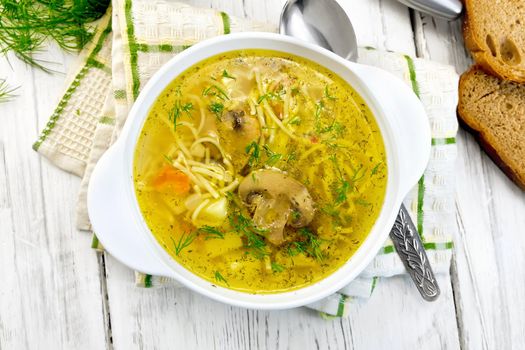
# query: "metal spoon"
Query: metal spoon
{"points": [[325, 23]]}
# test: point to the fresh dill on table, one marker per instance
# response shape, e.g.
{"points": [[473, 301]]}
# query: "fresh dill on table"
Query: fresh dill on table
{"points": [[6, 91], [25, 25]]}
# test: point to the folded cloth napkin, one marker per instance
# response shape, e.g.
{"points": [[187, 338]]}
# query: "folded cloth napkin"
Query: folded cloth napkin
{"points": [[133, 41]]}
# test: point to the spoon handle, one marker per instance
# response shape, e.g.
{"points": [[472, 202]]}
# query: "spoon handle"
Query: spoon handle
{"points": [[447, 9], [411, 251]]}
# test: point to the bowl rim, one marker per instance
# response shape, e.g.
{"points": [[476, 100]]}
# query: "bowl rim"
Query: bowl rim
{"points": [[256, 40]]}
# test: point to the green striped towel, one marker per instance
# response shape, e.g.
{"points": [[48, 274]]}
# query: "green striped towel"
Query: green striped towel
{"points": [[137, 37]]}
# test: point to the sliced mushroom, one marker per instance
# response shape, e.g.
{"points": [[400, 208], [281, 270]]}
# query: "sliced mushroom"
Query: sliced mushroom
{"points": [[274, 196]]}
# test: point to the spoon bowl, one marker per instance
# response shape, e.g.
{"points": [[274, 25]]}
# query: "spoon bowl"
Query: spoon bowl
{"points": [[322, 22]]}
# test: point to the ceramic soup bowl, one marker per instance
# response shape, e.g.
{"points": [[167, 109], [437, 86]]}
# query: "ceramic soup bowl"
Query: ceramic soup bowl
{"points": [[117, 219]]}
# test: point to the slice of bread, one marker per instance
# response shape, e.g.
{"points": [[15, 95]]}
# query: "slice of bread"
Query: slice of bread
{"points": [[494, 32], [494, 110]]}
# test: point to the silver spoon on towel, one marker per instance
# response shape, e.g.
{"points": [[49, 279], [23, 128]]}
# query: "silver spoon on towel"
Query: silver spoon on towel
{"points": [[325, 23]]}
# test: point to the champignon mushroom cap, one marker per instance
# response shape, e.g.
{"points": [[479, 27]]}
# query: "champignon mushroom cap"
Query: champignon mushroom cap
{"points": [[273, 184]]}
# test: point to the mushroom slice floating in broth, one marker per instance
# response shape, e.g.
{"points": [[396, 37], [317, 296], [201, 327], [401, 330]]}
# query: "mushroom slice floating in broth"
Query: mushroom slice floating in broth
{"points": [[274, 196]]}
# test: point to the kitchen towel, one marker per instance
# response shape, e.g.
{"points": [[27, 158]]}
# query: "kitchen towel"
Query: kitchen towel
{"points": [[133, 41]]}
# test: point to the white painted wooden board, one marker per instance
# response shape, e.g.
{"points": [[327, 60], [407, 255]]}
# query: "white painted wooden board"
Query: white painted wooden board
{"points": [[53, 290], [50, 292], [489, 263]]}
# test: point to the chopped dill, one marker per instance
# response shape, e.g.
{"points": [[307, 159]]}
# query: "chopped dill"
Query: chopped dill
{"points": [[225, 74], [362, 202], [295, 91], [318, 109], [309, 244], [176, 111], [277, 267], [211, 232], [341, 191], [312, 243], [253, 241], [220, 278], [268, 96], [342, 186], [6, 92], [216, 108], [255, 153], [376, 168], [184, 241], [327, 93], [295, 120], [168, 159], [273, 158], [215, 90]]}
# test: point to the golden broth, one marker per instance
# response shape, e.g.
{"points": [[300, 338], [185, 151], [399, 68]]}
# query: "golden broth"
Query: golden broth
{"points": [[260, 171]]}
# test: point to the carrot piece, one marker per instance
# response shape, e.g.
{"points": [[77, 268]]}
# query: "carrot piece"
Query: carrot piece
{"points": [[172, 179]]}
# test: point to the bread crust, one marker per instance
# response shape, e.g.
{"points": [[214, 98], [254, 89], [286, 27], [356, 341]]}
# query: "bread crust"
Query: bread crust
{"points": [[484, 139], [481, 53]]}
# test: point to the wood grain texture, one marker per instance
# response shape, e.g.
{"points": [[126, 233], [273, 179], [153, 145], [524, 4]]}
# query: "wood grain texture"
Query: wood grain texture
{"points": [[50, 290], [489, 259]]}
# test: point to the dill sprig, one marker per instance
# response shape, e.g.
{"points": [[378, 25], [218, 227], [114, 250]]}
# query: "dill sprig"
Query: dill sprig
{"points": [[216, 108], [176, 112], [253, 240], [25, 25], [184, 241], [277, 267], [309, 244], [273, 158], [215, 90], [6, 91], [220, 278], [225, 74], [211, 232], [254, 151]]}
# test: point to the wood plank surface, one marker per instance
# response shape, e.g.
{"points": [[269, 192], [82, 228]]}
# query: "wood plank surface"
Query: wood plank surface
{"points": [[489, 261], [50, 295]]}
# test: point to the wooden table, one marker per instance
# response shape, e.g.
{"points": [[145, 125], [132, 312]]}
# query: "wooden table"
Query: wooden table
{"points": [[56, 293]]}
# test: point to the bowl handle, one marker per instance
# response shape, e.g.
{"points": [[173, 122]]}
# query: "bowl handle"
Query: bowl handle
{"points": [[113, 219], [406, 115]]}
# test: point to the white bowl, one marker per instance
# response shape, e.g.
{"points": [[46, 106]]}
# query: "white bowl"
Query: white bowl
{"points": [[118, 222]]}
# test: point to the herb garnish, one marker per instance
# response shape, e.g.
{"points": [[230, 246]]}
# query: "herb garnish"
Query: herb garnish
{"points": [[215, 90], [342, 186], [254, 151], [268, 96], [376, 168], [216, 108], [327, 93], [253, 241], [362, 202], [184, 241], [211, 232], [310, 245], [225, 74], [277, 267], [220, 278], [177, 110], [295, 120], [273, 157]]}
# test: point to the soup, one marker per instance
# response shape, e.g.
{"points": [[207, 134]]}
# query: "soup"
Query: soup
{"points": [[260, 171]]}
